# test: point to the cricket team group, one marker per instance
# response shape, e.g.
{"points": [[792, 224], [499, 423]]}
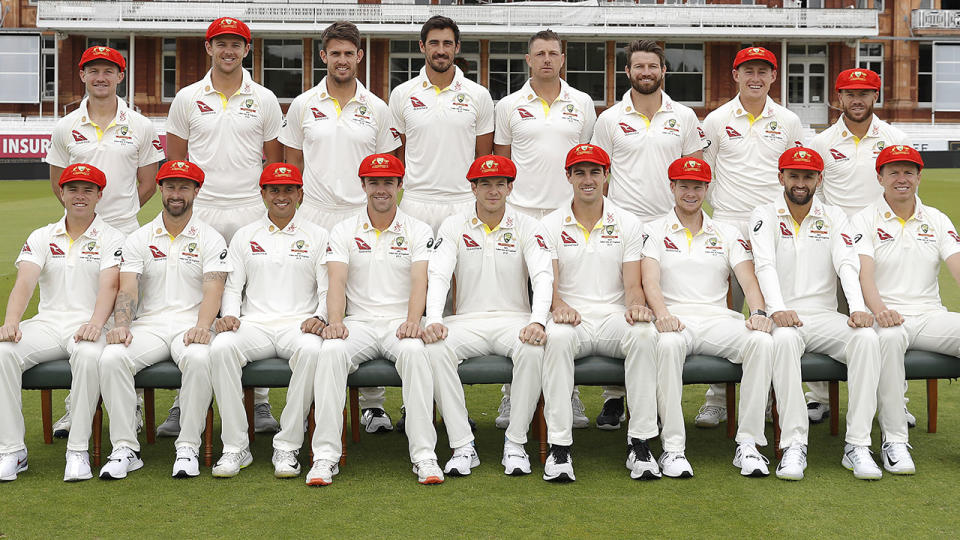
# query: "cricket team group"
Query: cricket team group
{"points": [[532, 229]]}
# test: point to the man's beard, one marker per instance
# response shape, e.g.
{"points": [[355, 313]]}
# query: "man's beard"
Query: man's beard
{"points": [[646, 91]]}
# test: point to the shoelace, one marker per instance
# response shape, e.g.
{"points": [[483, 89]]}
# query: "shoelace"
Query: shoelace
{"points": [[504, 407], [897, 451], [641, 450], [376, 413], [793, 456], [119, 455], [430, 467], [859, 455], [710, 410], [324, 464], [578, 408], [561, 454], [284, 455], [750, 451], [263, 410], [514, 451], [669, 457], [185, 454], [231, 457]]}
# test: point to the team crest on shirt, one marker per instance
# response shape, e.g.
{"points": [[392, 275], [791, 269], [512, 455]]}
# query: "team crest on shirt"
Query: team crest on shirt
{"points": [[878, 147], [570, 112], [925, 233], [123, 133], [785, 231], [671, 127], [248, 108], [819, 230], [255, 249], [732, 133], [317, 114], [204, 108], [90, 251], [883, 236], [525, 114], [669, 245], [362, 112], [609, 235], [506, 243], [190, 254], [567, 240], [362, 246], [838, 155], [713, 246], [627, 129], [78, 137], [299, 249], [460, 103], [157, 254], [773, 131], [400, 246], [469, 242]]}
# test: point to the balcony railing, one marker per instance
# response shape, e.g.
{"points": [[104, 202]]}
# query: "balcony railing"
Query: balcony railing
{"points": [[934, 19], [584, 18]]}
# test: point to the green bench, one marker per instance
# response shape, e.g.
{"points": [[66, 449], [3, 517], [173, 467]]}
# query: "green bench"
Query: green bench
{"points": [[589, 371]]}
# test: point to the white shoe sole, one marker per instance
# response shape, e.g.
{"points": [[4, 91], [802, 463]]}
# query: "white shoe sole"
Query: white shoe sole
{"points": [[230, 474], [77, 478], [459, 471], [285, 474], [319, 482], [847, 464], [561, 477], [516, 470], [792, 478], [134, 466], [14, 477]]}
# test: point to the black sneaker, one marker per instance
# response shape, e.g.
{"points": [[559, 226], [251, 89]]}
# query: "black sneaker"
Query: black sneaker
{"points": [[640, 460], [559, 465], [376, 420], [817, 412], [611, 414]]}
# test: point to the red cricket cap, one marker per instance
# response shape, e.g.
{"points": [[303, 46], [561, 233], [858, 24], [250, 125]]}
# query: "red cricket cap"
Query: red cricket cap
{"points": [[858, 79], [280, 173], [491, 166], [754, 53], [381, 166], [228, 25], [690, 168], [103, 53], [82, 172], [799, 157], [587, 153], [899, 152], [180, 169]]}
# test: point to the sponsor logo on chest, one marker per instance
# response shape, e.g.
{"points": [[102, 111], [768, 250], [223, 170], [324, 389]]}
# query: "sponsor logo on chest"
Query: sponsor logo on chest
{"points": [[204, 108], [713, 246], [299, 249], [668, 245], [56, 251]]}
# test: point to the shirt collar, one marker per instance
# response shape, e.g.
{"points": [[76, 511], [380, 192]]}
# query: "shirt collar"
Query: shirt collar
{"points": [[246, 86], [817, 209], [509, 220], [291, 227], [887, 214], [157, 228], [119, 118], [360, 95], [872, 131], [456, 85], [666, 104], [530, 96], [673, 224], [93, 232], [740, 110], [396, 227], [609, 216]]}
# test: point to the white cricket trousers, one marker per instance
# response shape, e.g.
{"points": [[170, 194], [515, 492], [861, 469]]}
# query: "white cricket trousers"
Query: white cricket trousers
{"points": [[723, 335], [432, 211], [227, 220], [369, 338], [231, 351], [479, 334], [606, 334], [935, 331], [44, 341], [155, 342]]}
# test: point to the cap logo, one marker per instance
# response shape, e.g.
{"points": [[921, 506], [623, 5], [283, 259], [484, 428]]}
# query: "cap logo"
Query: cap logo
{"points": [[180, 166], [756, 50], [584, 149], [82, 169], [229, 23], [101, 50], [282, 171], [858, 76], [899, 149], [801, 155], [489, 166], [691, 165]]}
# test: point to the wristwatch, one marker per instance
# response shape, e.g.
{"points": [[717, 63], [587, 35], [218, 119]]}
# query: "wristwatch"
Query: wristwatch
{"points": [[760, 312]]}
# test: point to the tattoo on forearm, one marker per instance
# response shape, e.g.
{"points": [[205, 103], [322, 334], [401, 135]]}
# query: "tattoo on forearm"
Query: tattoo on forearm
{"points": [[215, 276], [124, 309]]}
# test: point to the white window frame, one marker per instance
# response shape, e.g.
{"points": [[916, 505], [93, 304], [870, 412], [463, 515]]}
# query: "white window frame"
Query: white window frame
{"points": [[869, 61], [164, 72], [264, 69], [319, 69], [124, 51], [508, 56], [603, 99], [48, 59], [925, 104], [703, 75]]}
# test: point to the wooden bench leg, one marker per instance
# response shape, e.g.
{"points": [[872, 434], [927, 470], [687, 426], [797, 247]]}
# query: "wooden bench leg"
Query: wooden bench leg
{"points": [[355, 414], [208, 439], [46, 415], [834, 391], [343, 439], [776, 425], [248, 407], [542, 429], [731, 410], [150, 412], [97, 432], [932, 389]]}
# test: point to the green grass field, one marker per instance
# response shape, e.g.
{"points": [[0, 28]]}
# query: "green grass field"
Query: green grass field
{"points": [[377, 495]]}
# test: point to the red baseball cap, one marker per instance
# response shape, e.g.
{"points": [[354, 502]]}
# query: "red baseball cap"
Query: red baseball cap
{"points": [[799, 157], [180, 169], [82, 172], [858, 79], [103, 53], [899, 152], [587, 153], [280, 173], [381, 166], [228, 25], [754, 53], [690, 168], [491, 166]]}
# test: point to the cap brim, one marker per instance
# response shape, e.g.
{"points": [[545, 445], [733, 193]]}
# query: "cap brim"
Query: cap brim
{"points": [[281, 183], [76, 179], [918, 164], [227, 33], [858, 86], [802, 168], [595, 162], [690, 177], [742, 62]]}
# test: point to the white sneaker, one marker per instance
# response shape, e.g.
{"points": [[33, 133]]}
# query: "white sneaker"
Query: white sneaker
{"points": [[859, 460], [263, 420], [322, 472], [503, 413], [122, 460], [793, 463], [230, 463], [710, 416], [817, 412], [640, 461], [138, 414], [463, 459], [186, 465], [515, 459], [61, 428], [675, 465], [559, 465], [750, 461], [580, 420], [896, 458], [911, 419], [428, 472], [285, 464], [171, 426], [78, 467], [376, 420], [12, 464]]}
